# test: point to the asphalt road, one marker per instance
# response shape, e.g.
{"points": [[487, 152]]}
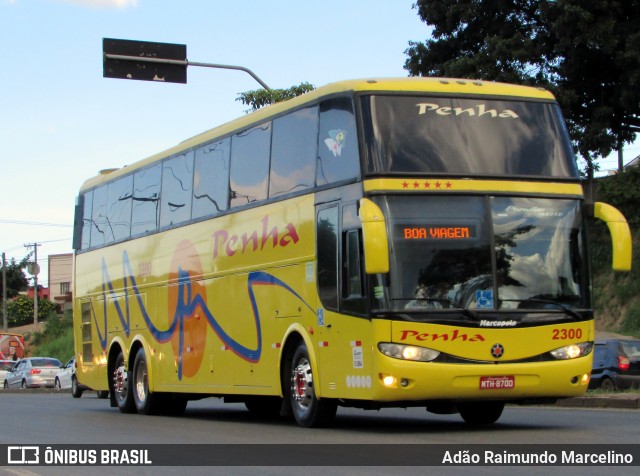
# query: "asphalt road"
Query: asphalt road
{"points": [[42, 418]]}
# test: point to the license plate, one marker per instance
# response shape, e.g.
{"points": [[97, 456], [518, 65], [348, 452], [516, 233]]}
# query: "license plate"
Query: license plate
{"points": [[504, 382]]}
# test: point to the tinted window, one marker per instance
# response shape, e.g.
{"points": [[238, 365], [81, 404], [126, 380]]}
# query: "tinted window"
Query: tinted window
{"points": [[119, 209], [146, 200], [327, 236], [337, 142], [466, 136], [87, 221], [177, 180], [293, 152], [250, 165], [99, 217], [211, 179]]}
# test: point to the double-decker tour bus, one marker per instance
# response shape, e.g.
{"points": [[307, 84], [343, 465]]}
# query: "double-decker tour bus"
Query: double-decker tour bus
{"points": [[373, 243]]}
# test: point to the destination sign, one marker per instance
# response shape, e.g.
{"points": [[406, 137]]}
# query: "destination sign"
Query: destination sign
{"points": [[436, 232]]}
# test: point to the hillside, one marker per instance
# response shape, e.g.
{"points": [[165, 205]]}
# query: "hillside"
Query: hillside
{"points": [[616, 295]]}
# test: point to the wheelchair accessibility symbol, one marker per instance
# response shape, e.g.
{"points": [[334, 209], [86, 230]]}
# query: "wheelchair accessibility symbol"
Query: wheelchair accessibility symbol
{"points": [[484, 299]]}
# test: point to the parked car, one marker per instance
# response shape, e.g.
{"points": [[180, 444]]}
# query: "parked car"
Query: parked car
{"points": [[32, 372], [616, 364], [66, 378], [6, 366]]}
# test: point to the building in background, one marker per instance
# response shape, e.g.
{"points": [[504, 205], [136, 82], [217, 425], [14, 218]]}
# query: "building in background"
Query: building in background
{"points": [[60, 272]]}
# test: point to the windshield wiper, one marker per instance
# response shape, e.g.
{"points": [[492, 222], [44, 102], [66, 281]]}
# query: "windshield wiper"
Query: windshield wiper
{"points": [[567, 310], [448, 305]]}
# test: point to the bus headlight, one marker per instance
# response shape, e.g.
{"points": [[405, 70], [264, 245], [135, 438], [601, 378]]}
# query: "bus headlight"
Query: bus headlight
{"points": [[572, 351], [408, 352]]}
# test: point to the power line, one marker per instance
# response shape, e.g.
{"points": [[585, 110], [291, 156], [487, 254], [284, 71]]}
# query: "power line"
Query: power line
{"points": [[33, 223]]}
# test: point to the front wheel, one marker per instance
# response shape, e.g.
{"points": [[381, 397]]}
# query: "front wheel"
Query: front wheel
{"points": [[308, 410], [481, 413]]}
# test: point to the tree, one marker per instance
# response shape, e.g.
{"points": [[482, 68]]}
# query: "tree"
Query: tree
{"points": [[16, 279], [263, 97], [587, 52]]}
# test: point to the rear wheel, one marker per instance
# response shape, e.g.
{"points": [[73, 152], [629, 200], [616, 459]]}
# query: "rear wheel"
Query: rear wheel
{"points": [[120, 386], [481, 413], [102, 394], [308, 410], [146, 402], [607, 385]]}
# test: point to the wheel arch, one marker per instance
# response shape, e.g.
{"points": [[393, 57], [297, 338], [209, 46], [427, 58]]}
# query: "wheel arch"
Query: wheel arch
{"points": [[295, 335]]}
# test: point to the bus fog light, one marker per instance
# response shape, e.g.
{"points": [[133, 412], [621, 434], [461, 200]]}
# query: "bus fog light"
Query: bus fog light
{"points": [[572, 351], [408, 352], [388, 380]]}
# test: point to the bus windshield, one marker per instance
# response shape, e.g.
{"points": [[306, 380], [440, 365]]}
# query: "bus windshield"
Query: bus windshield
{"points": [[484, 253], [466, 136]]}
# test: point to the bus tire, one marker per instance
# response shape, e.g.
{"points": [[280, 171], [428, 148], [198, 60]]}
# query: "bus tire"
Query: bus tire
{"points": [[146, 402], [308, 410], [120, 386], [480, 413]]}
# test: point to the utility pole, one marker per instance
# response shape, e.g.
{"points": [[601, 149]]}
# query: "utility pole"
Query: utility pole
{"points": [[34, 271], [5, 322]]}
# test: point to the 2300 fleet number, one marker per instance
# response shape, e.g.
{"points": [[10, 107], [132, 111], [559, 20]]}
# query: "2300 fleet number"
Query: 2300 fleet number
{"points": [[564, 334]]}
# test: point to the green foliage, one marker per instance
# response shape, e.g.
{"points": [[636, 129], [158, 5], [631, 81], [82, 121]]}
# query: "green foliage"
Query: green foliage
{"points": [[16, 279], [587, 53], [616, 296], [20, 311], [631, 324], [263, 97], [56, 340]]}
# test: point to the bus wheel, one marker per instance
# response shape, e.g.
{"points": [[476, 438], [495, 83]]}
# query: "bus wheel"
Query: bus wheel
{"points": [[146, 402], [120, 386], [308, 410], [480, 413]]}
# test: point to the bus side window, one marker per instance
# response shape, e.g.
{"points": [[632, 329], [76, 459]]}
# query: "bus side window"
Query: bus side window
{"points": [[327, 256], [353, 277], [119, 209], [146, 200], [87, 222], [250, 151], [211, 179], [293, 152], [338, 155], [99, 217], [177, 180]]}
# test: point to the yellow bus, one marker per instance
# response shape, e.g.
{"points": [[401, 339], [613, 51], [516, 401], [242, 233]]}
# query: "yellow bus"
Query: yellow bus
{"points": [[373, 243]]}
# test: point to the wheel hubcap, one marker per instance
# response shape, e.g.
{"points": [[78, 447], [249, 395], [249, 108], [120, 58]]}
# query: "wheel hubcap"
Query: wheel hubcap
{"points": [[141, 382], [302, 385]]}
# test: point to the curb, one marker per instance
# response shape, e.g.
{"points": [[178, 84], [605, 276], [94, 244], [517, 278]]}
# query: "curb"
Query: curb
{"points": [[614, 400]]}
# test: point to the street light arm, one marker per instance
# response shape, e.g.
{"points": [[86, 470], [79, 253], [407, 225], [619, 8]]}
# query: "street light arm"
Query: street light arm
{"points": [[145, 59]]}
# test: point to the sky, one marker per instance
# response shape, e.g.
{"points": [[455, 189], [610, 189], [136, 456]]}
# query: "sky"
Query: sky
{"points": [[61, 122]]}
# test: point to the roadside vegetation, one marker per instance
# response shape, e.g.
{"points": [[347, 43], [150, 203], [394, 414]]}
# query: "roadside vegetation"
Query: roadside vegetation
{"points": [[55, 340], [616, 295]]}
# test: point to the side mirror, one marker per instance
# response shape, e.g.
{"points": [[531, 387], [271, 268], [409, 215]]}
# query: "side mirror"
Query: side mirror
{"points": [[374, 238], [620, 234]]}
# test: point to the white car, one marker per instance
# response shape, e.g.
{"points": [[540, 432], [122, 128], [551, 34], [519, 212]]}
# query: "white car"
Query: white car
{"points": [[5, 367], [66, 378], [33, 372]]}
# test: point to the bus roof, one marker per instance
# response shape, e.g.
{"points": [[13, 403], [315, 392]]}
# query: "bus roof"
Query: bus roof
{"points": [[418, 85]]}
